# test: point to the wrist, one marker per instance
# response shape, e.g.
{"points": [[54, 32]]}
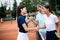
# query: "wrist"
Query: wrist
{"points": [[38, 27]]}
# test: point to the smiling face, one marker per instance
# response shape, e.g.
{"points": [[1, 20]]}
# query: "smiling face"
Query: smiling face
{"points": [[39, 8], [24, 10], [45, 10]]}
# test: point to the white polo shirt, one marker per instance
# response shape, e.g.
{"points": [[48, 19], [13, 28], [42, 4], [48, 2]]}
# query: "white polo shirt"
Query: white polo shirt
{"points": [[50, 22]]}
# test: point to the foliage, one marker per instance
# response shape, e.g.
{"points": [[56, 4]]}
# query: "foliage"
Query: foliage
{"points": [[2, 11], [30, 4], [14, 9]]}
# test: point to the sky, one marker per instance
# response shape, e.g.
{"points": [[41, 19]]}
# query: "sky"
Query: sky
{"points": [[9, 3]]}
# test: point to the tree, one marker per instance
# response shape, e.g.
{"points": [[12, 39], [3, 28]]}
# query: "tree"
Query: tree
{"points": [[14, 9], [52, 4], [30, 4], [2, 11], [58, 7]]}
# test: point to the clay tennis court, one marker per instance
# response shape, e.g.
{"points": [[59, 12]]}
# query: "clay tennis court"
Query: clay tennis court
{"points": [[9, 31]]}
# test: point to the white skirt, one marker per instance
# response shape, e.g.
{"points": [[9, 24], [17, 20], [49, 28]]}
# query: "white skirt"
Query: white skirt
{"points": [[22, 36]]}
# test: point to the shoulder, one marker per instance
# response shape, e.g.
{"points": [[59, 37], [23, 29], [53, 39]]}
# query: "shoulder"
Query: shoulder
{"points": [[20, 18], [37, 14], [54, 16]]}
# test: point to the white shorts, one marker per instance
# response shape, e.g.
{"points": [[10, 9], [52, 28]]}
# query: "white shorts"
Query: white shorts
{"points": [[43, 35], [22, 36]]}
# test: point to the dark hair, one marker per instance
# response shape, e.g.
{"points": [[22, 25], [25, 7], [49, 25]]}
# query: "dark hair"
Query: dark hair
{"points": [[48, 7], [19, 9]]}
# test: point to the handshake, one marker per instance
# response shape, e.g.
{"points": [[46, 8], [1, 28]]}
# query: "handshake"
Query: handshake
{"points": [[37, 28], [34, 25]]}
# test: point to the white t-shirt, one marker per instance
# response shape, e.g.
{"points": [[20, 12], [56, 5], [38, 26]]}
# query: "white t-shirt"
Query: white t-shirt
{"points": [[50, 22]]}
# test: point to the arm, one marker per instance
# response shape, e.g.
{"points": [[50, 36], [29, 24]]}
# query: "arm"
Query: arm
{"points": [[41, 27], [56, 22], [22, 21], [35, 22], [57, 25], [27, 20], [28, 29], [57, 33]]}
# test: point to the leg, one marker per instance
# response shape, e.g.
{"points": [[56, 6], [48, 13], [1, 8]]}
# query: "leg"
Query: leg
{"points": [[47, 36], [53, 36], [38, 37], [43, 35]]}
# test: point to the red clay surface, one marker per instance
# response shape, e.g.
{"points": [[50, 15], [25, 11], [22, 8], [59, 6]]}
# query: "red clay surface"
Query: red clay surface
{"points": [[9, 31]]}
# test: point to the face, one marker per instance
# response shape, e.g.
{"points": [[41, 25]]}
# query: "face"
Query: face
{"points": [[44, 10], [38, 7], [24, 10]]}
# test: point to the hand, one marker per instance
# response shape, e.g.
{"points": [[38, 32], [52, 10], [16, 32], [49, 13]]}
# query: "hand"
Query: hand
{"points": [[37, 29], [31, 18]]}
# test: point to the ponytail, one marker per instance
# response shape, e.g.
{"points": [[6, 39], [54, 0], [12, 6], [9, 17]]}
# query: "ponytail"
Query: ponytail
{"points": [[19, 9]]}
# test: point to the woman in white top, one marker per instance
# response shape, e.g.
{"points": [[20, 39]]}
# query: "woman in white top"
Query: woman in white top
{"points": [[50, 22]]}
